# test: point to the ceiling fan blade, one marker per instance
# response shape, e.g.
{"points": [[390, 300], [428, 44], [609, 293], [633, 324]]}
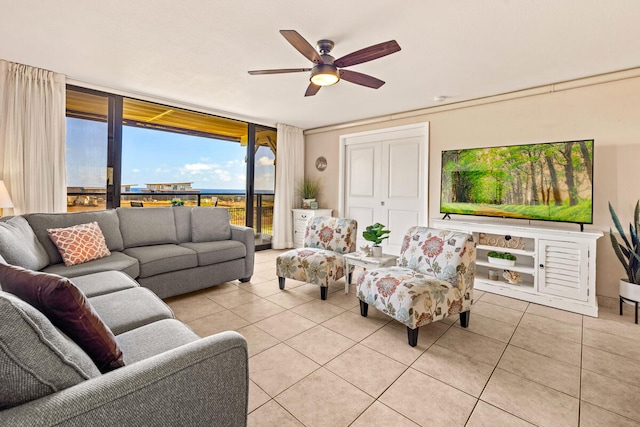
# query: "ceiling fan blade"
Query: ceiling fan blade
{"points": [[279, 71], [368, 54], [360, 79], [302, 46], [312, 89]]}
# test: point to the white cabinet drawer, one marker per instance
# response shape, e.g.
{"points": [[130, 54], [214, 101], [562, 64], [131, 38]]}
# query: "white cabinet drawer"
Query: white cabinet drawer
{"points": [[300, 218]]}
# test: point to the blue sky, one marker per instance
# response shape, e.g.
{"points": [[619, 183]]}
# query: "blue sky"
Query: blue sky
{"points": [[151, 156]]}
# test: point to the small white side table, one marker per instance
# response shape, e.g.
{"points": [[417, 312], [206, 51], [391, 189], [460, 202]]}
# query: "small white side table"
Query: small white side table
{"points": [[357, 259]]}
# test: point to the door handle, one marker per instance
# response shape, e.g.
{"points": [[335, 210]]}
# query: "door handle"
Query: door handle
{"points": [[382, 203]]}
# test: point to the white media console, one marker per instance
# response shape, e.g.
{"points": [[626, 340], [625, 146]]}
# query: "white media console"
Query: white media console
{"points": [[557, 267]]}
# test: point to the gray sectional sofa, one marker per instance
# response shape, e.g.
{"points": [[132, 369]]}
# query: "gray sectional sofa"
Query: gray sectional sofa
{"points": [[172, 250], [171, 376]]}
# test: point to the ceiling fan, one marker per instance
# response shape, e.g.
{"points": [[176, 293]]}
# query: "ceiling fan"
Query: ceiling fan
{"points": [[326, 69]]}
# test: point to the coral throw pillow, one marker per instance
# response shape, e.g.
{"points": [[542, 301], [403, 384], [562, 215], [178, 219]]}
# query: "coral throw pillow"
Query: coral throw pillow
{"points": [[79, 243], [68, 309]]}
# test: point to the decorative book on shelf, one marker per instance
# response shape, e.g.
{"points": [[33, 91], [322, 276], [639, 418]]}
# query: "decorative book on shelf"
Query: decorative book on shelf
{"points": [[500, 241]]}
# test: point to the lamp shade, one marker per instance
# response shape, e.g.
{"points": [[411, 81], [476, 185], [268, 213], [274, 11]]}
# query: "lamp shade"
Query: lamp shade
{"points": [[324, 75], [5, 198]]}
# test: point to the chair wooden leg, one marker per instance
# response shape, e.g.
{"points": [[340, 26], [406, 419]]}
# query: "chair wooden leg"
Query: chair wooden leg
{"points": [[281, 282], [412, 334], [464, 319], [323, 292], [364, 308]]}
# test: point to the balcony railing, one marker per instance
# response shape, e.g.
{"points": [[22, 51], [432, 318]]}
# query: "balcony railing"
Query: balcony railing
{"points": [[234, 202]]}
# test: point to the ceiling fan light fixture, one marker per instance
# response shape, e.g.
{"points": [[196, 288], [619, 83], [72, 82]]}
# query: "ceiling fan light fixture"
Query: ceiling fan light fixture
{"points": [[324, 75], [326, 69]]}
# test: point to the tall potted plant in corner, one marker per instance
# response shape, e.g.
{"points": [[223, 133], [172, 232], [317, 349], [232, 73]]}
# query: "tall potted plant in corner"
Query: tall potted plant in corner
{"points": [[628, 252], [376, 233], [309, 189]]}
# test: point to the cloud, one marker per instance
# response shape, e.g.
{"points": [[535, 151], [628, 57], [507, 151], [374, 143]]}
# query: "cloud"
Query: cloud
{"points": [[223, 175], [135, 170], [265, 161], [197, 167]]}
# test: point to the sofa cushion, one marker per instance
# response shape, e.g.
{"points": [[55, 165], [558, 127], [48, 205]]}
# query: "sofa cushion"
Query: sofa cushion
{"points": [[103, 283], [68, 309], [182, 215], [210, 224], [116, 261], [162, 258], [79, 243], [107, 219], [35, 359], [154, 338], [130, 308], [20, 246], [216, 252], [143, 227]]}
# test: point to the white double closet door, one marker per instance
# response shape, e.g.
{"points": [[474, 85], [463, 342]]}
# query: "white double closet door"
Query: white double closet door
{"points": [[384, 179]]}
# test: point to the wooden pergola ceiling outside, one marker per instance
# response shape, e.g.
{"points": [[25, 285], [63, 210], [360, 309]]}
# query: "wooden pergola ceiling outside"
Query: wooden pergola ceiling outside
{"points": [[155, 116]]}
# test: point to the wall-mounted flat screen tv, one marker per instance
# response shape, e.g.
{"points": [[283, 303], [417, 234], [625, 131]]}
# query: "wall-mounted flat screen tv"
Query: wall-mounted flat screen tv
{"points": [[550, 181]]}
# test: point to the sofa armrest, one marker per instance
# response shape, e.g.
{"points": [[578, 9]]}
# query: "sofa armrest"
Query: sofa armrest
{"points": [[246, 236], [201, 383]]}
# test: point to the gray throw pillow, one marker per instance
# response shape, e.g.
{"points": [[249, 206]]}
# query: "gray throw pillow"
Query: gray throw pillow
{"points": [[210, 224], [20, 246], [35, 358], [144, 227]]}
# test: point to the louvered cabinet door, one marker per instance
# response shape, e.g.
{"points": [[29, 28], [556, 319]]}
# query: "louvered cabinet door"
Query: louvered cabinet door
{"points": [[563, 269]]}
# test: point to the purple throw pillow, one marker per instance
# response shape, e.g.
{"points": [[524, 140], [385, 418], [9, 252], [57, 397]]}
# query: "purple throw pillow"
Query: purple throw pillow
{"points": [[68, 309]]}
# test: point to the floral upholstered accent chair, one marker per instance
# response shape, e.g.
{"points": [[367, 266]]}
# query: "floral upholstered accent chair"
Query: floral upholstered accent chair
{"points": [[433, 280], [320, 260]]}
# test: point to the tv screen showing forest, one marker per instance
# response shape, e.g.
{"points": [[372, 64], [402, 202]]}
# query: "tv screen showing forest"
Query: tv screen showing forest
{"points": [[550, 181]]}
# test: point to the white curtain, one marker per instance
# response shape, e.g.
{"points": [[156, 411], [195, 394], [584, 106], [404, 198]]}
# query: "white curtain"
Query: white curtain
{"points": [[32, 137], [289, 172]]}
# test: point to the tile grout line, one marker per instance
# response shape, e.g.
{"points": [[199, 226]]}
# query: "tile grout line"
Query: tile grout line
{"points": [[493, 372]]}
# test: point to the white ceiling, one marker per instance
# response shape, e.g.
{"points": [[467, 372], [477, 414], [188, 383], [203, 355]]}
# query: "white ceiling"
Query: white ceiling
{"points": [[198, 52]]}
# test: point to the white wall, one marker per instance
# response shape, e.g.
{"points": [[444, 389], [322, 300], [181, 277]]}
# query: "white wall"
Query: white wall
{"points": [[606, 109]]}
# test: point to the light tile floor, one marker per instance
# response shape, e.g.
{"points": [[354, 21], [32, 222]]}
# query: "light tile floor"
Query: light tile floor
{"points": [[319, 363]]}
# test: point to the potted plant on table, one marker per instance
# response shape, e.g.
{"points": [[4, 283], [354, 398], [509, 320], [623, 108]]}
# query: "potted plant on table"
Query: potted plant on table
{"points": [[309, 189], [628, 252], [376, 233]]}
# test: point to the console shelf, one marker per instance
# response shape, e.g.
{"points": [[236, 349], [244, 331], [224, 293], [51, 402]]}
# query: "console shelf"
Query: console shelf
{"points": [[557, 267], [518, 268], [513, 251]]}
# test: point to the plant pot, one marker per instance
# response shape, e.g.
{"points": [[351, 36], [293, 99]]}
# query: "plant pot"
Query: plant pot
{"points": [[629, 291], [500, 261], [306, 203], [376, 251], [493, 275]]}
